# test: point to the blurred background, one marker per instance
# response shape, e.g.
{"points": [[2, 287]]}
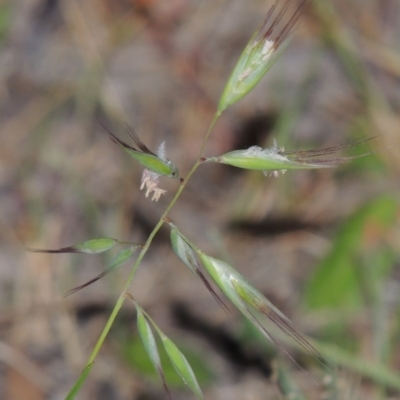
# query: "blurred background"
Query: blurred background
{"points": [[323, 246]]}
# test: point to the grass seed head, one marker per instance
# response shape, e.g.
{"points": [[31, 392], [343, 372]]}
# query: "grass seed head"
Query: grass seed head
{"points": [[247, 299], [157, 163], [92, 246], [185, 251], [263, 49], [275, 160], [270, 161]]}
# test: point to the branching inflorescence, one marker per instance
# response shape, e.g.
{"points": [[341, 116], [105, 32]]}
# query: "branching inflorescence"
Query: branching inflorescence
{"points": [[261, 52]]}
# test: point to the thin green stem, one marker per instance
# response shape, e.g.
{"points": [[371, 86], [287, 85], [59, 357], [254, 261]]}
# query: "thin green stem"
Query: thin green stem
{"points": [[146, 246], [207, 135]]}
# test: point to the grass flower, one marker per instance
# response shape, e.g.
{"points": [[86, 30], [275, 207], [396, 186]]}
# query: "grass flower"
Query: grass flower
{"points": [[275, 159], [246, 298], [150, 181], [263, 49], [157, 163], [92, 246], [176, 357], [184, 251]]}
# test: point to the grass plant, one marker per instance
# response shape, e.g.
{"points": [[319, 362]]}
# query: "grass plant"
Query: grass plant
{"points": [[261, 52]]}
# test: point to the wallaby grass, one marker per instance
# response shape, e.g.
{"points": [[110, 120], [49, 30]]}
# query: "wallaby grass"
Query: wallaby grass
{"points": [[65, 182]]}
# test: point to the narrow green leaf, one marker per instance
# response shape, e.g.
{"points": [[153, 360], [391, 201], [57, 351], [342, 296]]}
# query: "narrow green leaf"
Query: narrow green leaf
{"points": [[377, 372], [335, 282], [82, 377], [182, 366], [5, 19], [150, 345]]}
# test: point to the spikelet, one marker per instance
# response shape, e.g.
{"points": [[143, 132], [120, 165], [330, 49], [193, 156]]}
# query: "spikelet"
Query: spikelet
{"points": [[263, 49]]}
